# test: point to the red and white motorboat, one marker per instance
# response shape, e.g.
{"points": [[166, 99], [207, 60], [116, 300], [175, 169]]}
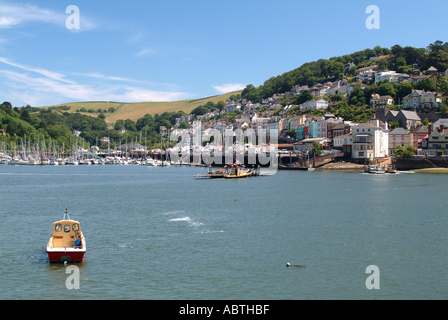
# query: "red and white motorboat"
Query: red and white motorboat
{"points": [[67, 242]]}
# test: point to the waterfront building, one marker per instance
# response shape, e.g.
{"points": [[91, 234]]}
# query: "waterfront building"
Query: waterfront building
{"points": [[370, 140], [343, 142], [420, 137], [438, 139], [400, 137]]}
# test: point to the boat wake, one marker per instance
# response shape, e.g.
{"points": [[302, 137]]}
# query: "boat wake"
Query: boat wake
{"points": [[190, 222]]}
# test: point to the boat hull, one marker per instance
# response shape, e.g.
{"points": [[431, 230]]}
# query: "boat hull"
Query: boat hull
{"points": [[69, 255], [239, 176]]}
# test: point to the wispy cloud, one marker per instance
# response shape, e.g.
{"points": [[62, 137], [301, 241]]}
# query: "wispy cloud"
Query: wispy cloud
{"points": [[144, 52], [12, 15], [41, 91], [103, 77], [47, 73], [229, 87], [137, 37]]}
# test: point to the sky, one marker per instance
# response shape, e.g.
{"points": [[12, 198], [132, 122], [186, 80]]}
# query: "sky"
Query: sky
{"points": [[154, 50]]}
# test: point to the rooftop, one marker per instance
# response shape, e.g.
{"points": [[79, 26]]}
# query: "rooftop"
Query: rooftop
{"points": [[399, 131]]}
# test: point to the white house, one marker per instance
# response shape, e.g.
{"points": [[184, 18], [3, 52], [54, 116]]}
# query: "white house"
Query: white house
{"points": [[396, 77], [380, 75], [314, 105], [446, 73], [343, 142], [370, 140]]}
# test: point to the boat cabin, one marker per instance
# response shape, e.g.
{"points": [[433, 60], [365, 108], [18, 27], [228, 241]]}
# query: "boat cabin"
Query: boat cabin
{"points": [[66, 234]]}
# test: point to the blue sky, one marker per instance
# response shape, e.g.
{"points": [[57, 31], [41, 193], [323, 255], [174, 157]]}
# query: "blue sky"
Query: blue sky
{"points": [[154, 50]]}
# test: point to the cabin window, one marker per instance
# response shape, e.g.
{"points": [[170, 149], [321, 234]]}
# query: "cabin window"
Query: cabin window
{"points": [[67, 228], [75, 227], [58, 227]]}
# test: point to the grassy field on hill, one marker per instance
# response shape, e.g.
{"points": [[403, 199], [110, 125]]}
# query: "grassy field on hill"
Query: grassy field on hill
{"points": [[134, 111]]}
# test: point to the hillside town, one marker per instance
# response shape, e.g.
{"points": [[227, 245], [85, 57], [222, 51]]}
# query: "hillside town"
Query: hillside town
{"points": [[389, 128]]}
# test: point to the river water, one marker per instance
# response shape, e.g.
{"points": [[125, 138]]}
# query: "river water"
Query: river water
{"points": [[157, 233]]}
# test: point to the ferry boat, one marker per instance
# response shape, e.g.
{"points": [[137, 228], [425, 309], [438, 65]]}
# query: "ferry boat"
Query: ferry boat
{"points": [[391, 169], [375, 169], [67, 242], [230, 172], [237, 172]]}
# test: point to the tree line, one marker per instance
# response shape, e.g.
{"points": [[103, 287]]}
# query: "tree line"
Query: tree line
{"points": [[45, 124]]}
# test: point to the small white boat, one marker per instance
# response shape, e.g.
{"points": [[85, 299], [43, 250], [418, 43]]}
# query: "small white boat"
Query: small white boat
{"points": [[67, 242], [15, 161], [376, 169], [150, 162]]}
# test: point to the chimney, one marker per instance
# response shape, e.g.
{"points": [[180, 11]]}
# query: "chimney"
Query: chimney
{"points": [[430, 129]]}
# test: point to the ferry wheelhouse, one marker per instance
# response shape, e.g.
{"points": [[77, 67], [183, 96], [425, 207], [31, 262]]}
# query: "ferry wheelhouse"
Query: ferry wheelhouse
{"points": [[67, 242]]}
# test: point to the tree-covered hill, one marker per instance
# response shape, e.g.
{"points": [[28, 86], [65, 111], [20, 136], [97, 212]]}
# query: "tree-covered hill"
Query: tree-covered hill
{"points": [[36, 124], [400, 59]]}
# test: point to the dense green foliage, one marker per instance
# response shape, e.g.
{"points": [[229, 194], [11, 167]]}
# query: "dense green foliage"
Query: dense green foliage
{"points": [[34, 123], [312, 73], [357, 105], [401, 59]]}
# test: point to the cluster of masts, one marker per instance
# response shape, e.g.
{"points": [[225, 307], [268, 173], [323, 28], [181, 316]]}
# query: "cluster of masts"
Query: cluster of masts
{"points": [[38, 152]]}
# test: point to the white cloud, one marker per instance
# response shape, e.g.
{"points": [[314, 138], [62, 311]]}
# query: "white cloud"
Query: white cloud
{"points": [[49, 74], [229, 87], [12, 15], [40, 91]]}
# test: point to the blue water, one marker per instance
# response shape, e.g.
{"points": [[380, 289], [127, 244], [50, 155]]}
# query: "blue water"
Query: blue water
{"points": [[157, 233]]}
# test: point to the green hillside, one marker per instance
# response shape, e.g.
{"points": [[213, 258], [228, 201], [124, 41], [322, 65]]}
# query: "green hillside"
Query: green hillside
{"points": [[135, 111]]}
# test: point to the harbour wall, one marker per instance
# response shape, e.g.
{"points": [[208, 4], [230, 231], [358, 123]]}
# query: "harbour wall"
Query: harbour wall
{"points": [[421, 162]]}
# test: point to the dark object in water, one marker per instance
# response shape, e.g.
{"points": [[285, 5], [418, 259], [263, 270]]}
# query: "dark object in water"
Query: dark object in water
{"points": [[295, 265]]}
